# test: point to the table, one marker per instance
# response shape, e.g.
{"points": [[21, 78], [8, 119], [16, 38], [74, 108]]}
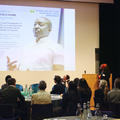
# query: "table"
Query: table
{"points": [[73, 118], [54, 97]]}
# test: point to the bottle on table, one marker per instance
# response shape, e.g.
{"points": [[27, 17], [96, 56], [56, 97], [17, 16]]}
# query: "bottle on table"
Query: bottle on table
{"points": [[84, 115], [26, 90], [105, 117], [98, 113], [79, 110], [89, 114], [30, 91]]}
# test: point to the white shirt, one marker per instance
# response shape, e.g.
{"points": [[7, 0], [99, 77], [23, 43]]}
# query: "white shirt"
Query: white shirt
{"points": [[41, 55]]}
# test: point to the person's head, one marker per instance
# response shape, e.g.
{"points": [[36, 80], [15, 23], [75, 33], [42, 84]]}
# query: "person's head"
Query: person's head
{"points": [[72, 86], [83, 84], [57, 79], [117, 83], [11, 81], [42, 28], [76, 81], [42, 85], [66, 77], [7, 77], [102, 66], [103, 84]]}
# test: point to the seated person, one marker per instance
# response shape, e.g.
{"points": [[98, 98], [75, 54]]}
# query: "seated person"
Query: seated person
{"points": [[12, 95], [113, 95], [41, 97], [76, 81], [58, 88], [84, 91], [66, 78], [113, 98], [65, 81], [69, 100], [101, 94], [6, 84]]}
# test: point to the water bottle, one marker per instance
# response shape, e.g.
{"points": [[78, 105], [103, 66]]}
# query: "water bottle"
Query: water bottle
{"points": [[89, 114], [26, 91], [98, 113], [105, 117], [84, 115], [79, 110], [30, 91]]}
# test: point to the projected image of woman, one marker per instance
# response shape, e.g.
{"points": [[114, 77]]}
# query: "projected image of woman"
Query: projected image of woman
{"points": [[43, 54]]}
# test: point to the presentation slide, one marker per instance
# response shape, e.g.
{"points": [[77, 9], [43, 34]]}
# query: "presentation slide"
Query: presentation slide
{"points": [[37, 38]]}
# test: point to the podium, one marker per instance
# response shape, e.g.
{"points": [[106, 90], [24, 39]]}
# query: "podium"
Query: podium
{"points": [[92, 80]]}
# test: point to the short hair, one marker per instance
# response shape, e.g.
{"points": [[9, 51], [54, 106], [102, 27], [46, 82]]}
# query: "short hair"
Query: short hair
{"points": [[42, 85], [11, 81], [71, 86], [57, 79], [7, 77], [117, 83], [67, 77], [76, 81], [47, 21], [103, 84]]}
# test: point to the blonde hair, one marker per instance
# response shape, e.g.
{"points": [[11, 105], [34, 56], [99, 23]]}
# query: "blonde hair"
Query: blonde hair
{"points": [[103, 84]]}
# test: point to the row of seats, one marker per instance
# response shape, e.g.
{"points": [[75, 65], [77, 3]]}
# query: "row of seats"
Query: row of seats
{"points": [[37, 112], [41, 111]]}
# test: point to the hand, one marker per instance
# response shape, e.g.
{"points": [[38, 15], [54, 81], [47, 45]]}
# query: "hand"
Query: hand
{"points": [[12, 65]]}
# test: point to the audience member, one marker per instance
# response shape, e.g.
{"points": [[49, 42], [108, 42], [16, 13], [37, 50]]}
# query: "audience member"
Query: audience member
{"points": [[65, 81], [113, 96], [70, 99], [76, 81], [104, 73], [12, 95], [41, 97], [84, 91], [66, 78], [6, 80], [58, 88], [101, 95]]}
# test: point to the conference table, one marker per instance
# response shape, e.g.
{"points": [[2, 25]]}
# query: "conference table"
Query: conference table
{"points": [[77, 118], [56, 102]]}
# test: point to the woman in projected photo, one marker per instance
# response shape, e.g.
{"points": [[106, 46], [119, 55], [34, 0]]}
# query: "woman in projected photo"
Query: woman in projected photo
{"points": [[43, 55]]}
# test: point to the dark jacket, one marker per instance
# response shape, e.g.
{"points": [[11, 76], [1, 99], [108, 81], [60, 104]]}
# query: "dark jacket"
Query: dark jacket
{"points": [[12, 95], [58, 89], [84, 95], [69, 103], [100, 98]]}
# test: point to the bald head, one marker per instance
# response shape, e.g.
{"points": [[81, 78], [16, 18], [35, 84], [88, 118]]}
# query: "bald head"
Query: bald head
{"points": [[42, 28]]}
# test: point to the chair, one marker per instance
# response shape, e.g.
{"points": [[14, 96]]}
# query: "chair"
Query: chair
{"points": [[20, 87], [35, 87], [8, 112], [41, 111], [115, 108]]}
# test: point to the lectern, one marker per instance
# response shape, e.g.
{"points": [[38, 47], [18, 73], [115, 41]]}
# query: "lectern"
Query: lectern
{"points": [[92, 80]]}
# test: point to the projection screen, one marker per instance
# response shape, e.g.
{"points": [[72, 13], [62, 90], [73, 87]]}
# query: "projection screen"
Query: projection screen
{"points": [[26, 42]]}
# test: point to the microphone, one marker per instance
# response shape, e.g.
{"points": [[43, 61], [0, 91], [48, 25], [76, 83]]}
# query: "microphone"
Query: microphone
{"points": [[84, 71]]}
